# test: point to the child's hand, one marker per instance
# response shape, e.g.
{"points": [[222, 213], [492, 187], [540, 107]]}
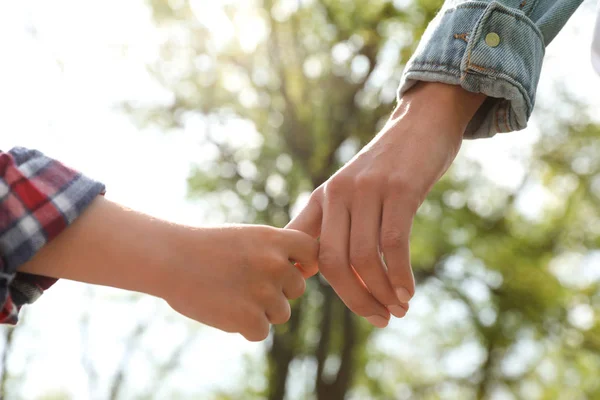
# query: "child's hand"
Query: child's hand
{"points": [[239, 278], [236, 278]]}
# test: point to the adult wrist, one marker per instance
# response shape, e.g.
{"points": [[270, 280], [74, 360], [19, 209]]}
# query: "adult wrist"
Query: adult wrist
{"points": [[451, 105]]}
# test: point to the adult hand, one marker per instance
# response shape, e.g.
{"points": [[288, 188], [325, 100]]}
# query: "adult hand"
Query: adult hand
{"points": [[366, 209]]}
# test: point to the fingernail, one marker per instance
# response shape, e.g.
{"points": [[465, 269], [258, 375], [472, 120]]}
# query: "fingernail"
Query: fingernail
{"points": [[397, 311], [403, 295], [377, 321]]}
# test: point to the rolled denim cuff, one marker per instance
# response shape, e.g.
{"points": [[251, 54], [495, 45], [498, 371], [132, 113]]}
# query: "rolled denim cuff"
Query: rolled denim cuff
{"points": [[485, 48]]}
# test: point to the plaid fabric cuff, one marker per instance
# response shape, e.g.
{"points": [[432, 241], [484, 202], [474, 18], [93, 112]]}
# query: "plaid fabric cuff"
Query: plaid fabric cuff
{"points": [[39, 198]]}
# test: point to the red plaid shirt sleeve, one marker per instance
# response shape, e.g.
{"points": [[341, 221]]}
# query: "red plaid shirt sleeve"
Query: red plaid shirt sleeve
{"points": [[39, 198]]}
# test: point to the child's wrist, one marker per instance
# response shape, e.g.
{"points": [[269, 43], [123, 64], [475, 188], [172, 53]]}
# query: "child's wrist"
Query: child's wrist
{"points": [[168, 252], [179, 252]]}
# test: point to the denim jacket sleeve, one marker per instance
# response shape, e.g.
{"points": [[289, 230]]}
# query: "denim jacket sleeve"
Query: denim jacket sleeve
{"points": [[490, 47]]}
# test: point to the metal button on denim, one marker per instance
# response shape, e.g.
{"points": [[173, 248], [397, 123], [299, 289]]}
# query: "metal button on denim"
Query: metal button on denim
{"points": [[492, 39]]}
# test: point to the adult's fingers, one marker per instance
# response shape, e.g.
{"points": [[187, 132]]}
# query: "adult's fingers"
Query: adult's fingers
{"points": [[309, 222], [335, 266], [309, 219], [364, 250], [394, 240]]}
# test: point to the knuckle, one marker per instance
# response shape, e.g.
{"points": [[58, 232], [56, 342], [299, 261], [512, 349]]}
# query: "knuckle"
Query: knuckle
{"points": [[362, 255], [409, 193], [391, 239], [257, 328], [282, 315], [399, 184], [327, 258], [337, 186], [276, 266], [264, 293], [256, 336], [263, 330], [297, 288], [316, 196], [269, 234], [368, 181]]}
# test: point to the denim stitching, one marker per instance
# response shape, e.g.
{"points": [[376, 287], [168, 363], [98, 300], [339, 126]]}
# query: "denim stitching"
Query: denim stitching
{"points": [[496, 121], [508, 124], [501, 116], [472, 6], [479, 67], [461, 77], [523, 17], [452, 67], [478, 27], [504, 117], [462, 36], [449, 66], [532, 9]]}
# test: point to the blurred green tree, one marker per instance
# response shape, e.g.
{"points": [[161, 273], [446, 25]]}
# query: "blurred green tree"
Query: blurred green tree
{"points": [[281, 94]]}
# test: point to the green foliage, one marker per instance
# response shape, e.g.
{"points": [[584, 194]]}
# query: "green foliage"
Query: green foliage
{"points": [[283, 109]]}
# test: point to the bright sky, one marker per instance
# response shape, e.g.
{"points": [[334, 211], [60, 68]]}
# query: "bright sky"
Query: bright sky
{"points": [[65, 65]]}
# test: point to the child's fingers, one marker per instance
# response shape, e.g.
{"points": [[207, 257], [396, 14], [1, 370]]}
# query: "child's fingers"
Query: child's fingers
{"points": [[302, 249], [293, 283], [279, 311], [255, 326]]}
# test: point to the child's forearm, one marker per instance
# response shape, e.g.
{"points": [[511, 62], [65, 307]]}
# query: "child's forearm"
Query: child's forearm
{"points": [[235, 278], [113, 246]]}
